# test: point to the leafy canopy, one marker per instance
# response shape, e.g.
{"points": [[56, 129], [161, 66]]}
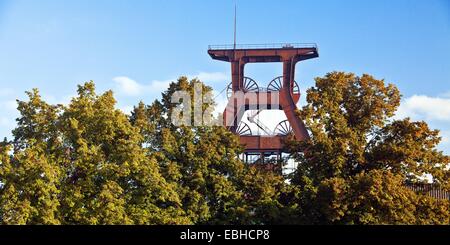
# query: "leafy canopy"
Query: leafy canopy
{"points": [[89, 163], [356, 165]]}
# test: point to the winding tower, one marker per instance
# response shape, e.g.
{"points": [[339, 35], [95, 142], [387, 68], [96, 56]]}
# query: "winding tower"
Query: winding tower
{"points": [[245, 94]]}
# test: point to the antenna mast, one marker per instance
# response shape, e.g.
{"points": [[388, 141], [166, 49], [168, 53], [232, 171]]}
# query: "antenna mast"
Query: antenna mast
{"points": [[234, 43]]}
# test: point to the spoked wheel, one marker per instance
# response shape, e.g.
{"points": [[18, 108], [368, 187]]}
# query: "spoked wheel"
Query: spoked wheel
{"points": [[250, 85], [283, 128], [243, 129], [276, 84]]}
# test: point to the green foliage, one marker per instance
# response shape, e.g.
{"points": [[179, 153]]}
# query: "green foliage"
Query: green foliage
{"points": [[201, 161], [89, 163], [30, 177], [354, 168], [82, 164]]}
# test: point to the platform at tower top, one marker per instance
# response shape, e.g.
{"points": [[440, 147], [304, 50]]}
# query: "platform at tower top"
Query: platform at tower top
{"points": [[262, 46], [272, 52]]}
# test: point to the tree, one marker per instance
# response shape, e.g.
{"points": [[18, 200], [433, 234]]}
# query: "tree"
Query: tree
{"points": [[31, 176], [202, 161], [89, 163], [358, 160], [82, 164]]}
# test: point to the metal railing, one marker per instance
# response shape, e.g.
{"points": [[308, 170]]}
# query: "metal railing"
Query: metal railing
{"points": [[430, 190], [261, 46]]}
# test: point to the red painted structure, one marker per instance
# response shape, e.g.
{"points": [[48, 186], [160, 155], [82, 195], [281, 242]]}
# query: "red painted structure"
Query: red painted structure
{"points": [[282, 93]]}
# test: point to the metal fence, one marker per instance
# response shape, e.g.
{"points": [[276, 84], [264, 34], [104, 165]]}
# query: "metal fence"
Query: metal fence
{"points": [[430, 190]]}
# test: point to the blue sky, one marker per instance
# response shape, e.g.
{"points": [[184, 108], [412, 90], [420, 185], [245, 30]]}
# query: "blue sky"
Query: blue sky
{"points": [[136, 47]]}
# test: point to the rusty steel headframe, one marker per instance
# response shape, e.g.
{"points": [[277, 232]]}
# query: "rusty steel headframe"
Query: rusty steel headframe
{"points": [[289, 55]]}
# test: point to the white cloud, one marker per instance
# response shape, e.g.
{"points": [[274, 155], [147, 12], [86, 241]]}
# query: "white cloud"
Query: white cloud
{"points": [[221, 102], [445, 137], [9, 105], [6, 92], [422, 107], [159, 86], [127, 109], [212, 77], [435, 110], [444, 145], [129, 87]]}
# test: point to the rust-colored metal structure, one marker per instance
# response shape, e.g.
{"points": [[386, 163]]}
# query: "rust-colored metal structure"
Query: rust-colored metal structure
{"points": [[281, 93]]}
